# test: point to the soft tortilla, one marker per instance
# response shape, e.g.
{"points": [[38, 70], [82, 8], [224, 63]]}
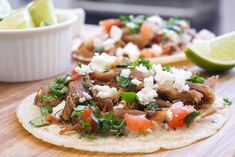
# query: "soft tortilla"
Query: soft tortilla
{"points": [[175, 58], [132, 144]]}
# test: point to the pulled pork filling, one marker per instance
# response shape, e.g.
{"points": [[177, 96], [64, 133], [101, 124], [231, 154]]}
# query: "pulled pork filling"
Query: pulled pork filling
{"points": [[126, 97]]}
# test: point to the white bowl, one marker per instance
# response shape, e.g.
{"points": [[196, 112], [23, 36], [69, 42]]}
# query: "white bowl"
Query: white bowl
{"points": [[37, 53]]}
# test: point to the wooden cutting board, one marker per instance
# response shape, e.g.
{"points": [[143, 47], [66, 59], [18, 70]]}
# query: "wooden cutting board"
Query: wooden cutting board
{"points": [[17, 142]]}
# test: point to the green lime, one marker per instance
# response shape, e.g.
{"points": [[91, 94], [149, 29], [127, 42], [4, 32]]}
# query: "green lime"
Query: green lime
{"points": [[43, 12], [5, 9], [20, 19], [217, 54]]}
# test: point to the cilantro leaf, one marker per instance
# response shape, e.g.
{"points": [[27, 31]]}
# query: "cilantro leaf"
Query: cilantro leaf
{"points": [[123, 82], [145, 62], [189, 118], [129, 97], [47, 98], [153, 106], [226, 101], [167, 68], [98, 50], [196, 79], [41, 121]]}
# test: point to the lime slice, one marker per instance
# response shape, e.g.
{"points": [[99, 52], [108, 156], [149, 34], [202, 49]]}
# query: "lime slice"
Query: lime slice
{"points": [[217, 54], [5, 9], [20, 19], [43, 12]]}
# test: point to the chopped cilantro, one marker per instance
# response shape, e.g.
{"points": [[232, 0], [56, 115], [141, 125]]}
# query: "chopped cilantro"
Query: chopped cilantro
{"points": [[145, 62], [153, 106], [129, 97], [226, 101], [59, 87], [123, 82], [167, 68], [189, 118], [196, 79], [164, 39], [47, 98], [41, 121], [98, 50]]}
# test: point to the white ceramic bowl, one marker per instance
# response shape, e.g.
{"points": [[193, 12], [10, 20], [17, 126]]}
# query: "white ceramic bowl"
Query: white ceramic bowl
{"points": [[37, 53]]}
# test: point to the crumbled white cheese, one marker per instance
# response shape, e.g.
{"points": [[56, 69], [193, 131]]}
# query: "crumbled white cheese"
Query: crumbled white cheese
{"points": [[149, 82], [100, 63], [173, 36], [176, 105], [142, 69], [130, 49], [146, 95], [119, 106], [136, 82], [83, 69], [156, 20], [169, 114], [57, 110], [131, 25], [156, 49], [176, 78], [183, 24], [87, 96], [116, 33], [186, 38], [205, 34], [125, 73], [105, 91], [108, 44], [81, 100]]}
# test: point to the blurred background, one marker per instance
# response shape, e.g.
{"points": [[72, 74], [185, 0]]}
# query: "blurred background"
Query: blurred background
{"points": [[215, 15]]}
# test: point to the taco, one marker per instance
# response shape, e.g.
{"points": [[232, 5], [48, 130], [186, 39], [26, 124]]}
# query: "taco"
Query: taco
{"points": [[124, 106], [161, 41]]}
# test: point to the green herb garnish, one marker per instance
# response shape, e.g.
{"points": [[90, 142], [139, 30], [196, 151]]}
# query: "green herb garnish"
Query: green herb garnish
{"points": [[123, 82], [143, 61], [41, 121], [226, 101], [129, 97], [196, 79], [153, 106], [167, 68], [188, 120], [98, 50]]}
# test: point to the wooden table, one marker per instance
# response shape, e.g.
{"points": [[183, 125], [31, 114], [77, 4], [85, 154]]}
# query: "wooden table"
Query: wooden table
{"points": [[15, 141]]}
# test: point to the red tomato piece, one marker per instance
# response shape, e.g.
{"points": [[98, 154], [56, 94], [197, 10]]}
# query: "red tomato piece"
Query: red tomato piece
{"points": [[86, 114], [178, 116], [107, 24], [147, 31], [75, 75], [52, 119], [138, 124]]}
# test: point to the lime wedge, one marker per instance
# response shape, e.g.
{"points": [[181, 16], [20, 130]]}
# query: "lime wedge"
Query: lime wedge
{"points": [[43, 12], [20, 19], [5, 9], [217, 54]]}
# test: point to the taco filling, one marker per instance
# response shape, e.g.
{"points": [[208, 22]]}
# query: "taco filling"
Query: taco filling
{"points": [[112, 97]]}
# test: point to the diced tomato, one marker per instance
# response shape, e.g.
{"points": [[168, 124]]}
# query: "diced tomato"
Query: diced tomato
{"points": [[138, 124], [75, 75], [52, 119], [147, 53], [147, 31], [107, 24], [178, 116], [86, 114]]}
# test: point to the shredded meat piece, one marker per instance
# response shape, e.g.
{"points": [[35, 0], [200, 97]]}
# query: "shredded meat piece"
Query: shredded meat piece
{"points": [[70, 128], [137, 74], [121, 112], [190, 97], [157, 116], [75, 91], [136, 39], [86, 49], [208, 93], [163, 103], [105, 105], [105, 76], [44, 91], [212, 81]]}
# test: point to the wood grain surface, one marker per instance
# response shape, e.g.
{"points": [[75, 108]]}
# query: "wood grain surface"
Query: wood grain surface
{"points": [[17, 142]]}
